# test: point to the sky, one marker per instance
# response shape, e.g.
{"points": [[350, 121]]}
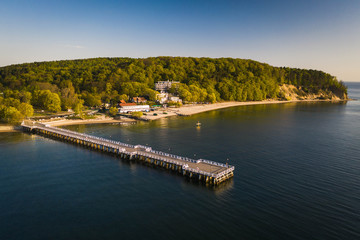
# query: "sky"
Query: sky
{"points": [[311, 34]]}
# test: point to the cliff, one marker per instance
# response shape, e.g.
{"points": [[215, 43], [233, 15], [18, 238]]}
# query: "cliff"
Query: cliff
{"points": [[291, 92]]}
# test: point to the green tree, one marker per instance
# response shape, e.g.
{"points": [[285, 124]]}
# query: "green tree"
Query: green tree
{"points": [[68, 96], [211, 97], [103, 76], [25, 96], [11, 102], [78, 107], [10, 115], [113, 111], [108, 88], [52, 102], [185, 94], [26, 109], [124, 97], [91, 100], [47, 100], [151, 94]]}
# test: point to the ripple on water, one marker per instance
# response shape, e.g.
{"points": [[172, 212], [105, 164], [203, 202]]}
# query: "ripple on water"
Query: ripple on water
{"points": [[297, 177]]}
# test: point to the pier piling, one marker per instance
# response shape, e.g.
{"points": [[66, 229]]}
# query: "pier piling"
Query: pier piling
{"points": [[201, 170]]}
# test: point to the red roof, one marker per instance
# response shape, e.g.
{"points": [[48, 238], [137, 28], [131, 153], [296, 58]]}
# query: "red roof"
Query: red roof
{"points": [[127, 104]]}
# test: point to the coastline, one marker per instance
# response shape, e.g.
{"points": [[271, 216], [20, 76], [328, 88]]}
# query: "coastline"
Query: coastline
{"points": [[8, 128], [186, 110], [189, 110], [67, 122]]}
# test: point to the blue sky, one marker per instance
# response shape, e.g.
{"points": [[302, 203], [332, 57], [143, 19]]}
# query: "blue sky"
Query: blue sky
{"points": [[323, 35]]}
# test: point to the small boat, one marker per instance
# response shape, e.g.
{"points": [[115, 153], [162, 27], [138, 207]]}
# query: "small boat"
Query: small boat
{"points": [[198, 124]]}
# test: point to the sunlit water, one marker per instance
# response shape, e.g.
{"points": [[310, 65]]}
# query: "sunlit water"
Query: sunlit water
{"points": [[297, 176]]}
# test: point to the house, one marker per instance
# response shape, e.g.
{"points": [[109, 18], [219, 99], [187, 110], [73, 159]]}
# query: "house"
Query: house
{"points": [[164, 86], [123, 102], [162, 98], [166, 97], [107, 105], [174, 99], [132, 107], [139, 100], [127, 104]]}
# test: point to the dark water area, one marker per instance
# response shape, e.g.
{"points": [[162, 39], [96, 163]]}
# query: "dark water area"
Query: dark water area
{"points": [[297, 176]]}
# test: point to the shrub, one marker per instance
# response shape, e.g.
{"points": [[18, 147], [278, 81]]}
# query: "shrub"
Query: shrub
{"points": [[137, 114]]}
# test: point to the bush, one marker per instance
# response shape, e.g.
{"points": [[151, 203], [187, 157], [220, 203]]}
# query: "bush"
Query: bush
{"points": [[137, 114], [10, 114], [175, 104], [113, 111]]}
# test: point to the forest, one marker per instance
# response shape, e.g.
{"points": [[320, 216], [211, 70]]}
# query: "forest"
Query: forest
{"points": [[73, 84]]}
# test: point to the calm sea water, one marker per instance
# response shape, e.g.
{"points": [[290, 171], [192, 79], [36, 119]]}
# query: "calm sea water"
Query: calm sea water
{"points": [[297, 177]]}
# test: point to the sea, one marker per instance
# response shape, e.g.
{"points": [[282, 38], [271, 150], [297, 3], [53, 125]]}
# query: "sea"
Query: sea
{"points": [[297, 176]]}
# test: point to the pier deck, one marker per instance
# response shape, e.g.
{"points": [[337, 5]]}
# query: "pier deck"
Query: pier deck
{"points": [[201, 169]]}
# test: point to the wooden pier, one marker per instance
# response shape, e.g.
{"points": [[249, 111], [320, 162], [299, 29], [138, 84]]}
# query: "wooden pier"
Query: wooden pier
{"points": [[202, 170]]}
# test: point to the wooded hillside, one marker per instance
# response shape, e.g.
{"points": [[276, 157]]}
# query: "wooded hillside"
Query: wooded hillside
{"points": [[68, 83]]}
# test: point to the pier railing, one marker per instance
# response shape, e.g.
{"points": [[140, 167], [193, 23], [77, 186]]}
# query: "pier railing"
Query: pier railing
{"points": [[174, 156], [212, 163], [188, 165], [86, 136]]}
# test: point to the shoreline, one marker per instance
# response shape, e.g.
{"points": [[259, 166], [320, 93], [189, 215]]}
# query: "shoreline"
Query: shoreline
{"points": [[189, 110], [68, 122], [186, 110], [8, 128]]}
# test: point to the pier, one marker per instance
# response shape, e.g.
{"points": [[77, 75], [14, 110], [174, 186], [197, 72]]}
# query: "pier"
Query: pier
{"points": [[206, 171]]}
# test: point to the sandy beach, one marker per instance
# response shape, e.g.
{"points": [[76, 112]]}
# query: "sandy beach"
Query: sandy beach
{"points": [[186, 110], [67, 122], [8, 128], [209, 107]]}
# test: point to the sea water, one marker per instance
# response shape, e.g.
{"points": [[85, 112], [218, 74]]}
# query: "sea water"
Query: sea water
{"points": [[297, 176]]}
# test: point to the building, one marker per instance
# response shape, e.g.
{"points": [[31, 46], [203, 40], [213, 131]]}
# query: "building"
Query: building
{"points": [[132, 107], [139, 100], [164, 86], [174, 99], [107, 105], [162, 97], [123, 103], [166, 97]]}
